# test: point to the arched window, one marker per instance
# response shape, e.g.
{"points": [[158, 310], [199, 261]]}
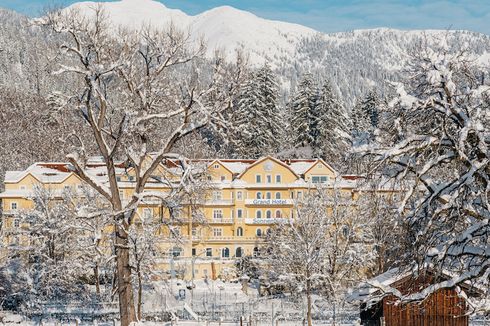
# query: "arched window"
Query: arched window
{"points": [[268, 214], [259, 195], [278, 214], [258, 214], [239, 252], [256, 252], [268, 195], [225, 253], [278, 195], [258, 232], [239, 232]]}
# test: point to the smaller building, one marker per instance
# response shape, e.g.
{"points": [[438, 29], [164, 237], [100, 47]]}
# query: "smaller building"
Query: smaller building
{"points": [[445, 307]]}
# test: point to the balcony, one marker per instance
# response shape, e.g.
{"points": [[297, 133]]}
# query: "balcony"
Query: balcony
{"points": [[221, 221], [219, 202], [266, 220], [268, 202]]}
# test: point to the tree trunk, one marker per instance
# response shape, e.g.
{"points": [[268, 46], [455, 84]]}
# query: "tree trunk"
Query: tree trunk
{"points": [[125, 290], [140, 293], [308, 301], [97, 280]]}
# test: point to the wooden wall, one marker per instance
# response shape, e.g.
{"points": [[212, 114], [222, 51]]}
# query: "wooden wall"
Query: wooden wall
{"points": [[443, 308]]}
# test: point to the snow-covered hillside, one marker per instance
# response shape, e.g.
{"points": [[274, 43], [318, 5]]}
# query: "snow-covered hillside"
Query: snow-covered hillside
{"points": [[224, 28]]}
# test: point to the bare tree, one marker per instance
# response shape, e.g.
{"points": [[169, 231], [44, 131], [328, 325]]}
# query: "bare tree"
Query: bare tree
{"points": [[132, 85], [323, 249]]}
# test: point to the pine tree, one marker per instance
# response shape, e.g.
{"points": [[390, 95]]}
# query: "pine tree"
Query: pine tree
{"points": [[257, 119], [303, 113], [332, 134], [365, 118]]}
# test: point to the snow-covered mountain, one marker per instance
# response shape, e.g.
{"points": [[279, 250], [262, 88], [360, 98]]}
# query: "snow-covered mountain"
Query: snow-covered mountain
{"points": [[354, 61], [224, 28]]}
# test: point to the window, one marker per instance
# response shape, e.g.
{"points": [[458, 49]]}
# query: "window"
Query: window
{"points": [[269, 231], [319, 179], [258, 178], [216, 166], [217, 214], [292, 194], [345, 231], [256, 252], [239, 252], [223, 178], [239, 232], [118, 179], [209, 253], [268, 178], [258, 232], [268, 195], [121, 194], [268, 214], [278, 195], [131, 178], [147, 213], [225, 252], [217, 232], [16, 223], [300, 194], [67, 187], [278, 178], [193, 251], [239, 213], [217, 195], [320, 166], [209, 178], [13, 206], [239, 195], [176, 251], [278, 214], [258, 214], [22, 187], [194, 232], [259, 195]]}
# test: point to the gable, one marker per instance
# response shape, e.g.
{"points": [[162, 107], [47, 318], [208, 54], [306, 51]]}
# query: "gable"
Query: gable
{"points": [[268, 166], [216, 171]]}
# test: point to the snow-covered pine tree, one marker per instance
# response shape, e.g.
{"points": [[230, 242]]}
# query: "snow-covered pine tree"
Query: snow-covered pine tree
{"points": [[257, 121], [303, 107], [365, 118], [332, 126]]}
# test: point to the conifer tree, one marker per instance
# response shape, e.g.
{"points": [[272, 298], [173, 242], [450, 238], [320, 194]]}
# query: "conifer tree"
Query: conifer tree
{"points": [[332, 126], [365, 118], [257, 118], [303, 113]]}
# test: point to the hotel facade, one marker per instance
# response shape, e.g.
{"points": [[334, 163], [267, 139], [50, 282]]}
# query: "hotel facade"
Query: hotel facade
{"points": [[243, 200]]}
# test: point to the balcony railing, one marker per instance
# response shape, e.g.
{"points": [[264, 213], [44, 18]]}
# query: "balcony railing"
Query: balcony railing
{"points": [[221, 221], [219, 202]]}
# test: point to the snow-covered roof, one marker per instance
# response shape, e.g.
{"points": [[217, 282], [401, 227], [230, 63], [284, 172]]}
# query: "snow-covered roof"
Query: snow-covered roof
{"points": [[301, 167]]}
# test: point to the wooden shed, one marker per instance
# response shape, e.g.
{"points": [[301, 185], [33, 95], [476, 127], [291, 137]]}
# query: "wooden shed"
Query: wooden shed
{"points": [[442, 308]]}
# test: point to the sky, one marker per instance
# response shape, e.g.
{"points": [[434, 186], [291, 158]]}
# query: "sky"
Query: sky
{"points": [[329, 15]]}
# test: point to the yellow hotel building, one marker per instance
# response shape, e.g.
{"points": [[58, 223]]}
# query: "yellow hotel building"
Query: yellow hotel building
{"points": [[246, 198]]}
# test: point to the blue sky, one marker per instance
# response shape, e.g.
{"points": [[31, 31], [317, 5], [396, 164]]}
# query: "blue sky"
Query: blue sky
{"points": [[333, 16]]}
